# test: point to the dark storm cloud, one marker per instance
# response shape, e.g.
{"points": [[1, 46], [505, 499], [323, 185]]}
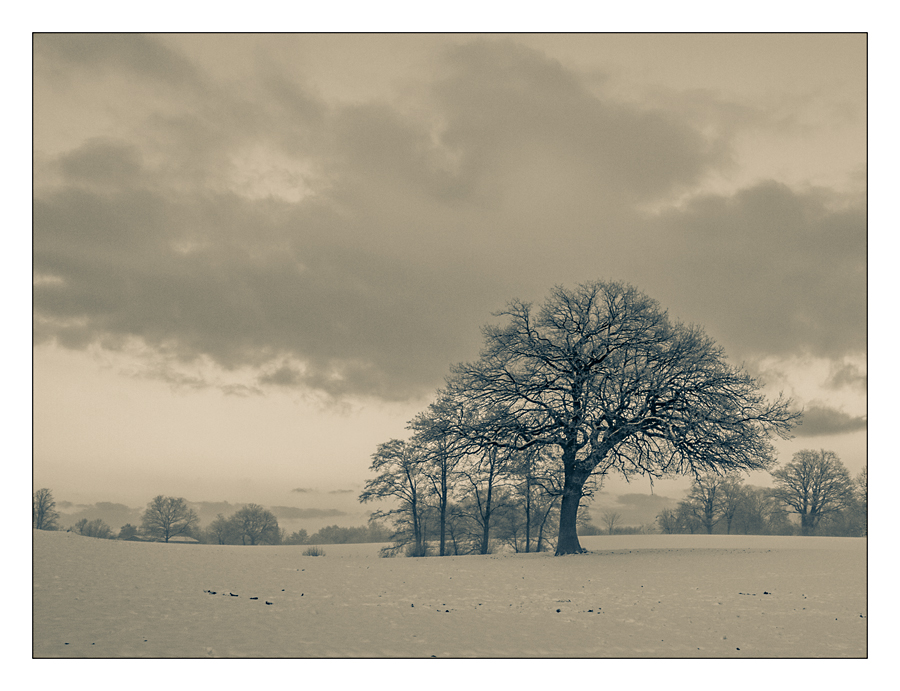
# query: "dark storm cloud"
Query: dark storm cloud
{"points": [[769, 269], [822, 421], [414, 224], [506, 106], [135, 53]]}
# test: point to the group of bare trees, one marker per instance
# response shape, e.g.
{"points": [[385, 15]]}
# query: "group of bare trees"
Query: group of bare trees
{"points": [[460, 499], [250, 525], [166, 518], [815, 487], [596, 381]]}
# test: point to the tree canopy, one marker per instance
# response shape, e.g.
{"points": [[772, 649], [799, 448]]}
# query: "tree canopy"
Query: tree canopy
{"points": [[44, 515], [166, 517], [600, 373], [814, 484]]}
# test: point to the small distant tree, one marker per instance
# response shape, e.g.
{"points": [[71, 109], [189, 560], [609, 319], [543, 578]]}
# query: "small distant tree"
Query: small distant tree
{"points": [[687, 518], [610, 519], [127, 532], [43, 510], [668, 521], [221, 531], [256, 525], [755, 512], [813, 485], [167, 517], [298, 537], [704, 500]]}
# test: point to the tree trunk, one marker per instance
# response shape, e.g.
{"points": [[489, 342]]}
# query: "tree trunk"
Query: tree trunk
{"points": [[443, 508], [806, 524], [568, 515], [527, 513], [486, 534]]}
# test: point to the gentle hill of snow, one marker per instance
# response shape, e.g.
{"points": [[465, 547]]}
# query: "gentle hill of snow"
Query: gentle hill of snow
{"points": [[632, 596]]}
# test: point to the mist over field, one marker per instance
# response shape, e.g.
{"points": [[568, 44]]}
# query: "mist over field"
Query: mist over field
{"points": [[343, 510]]}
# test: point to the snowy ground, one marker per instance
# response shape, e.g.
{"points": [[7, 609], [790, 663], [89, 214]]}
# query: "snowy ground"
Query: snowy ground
{"points": [[654, 596]]}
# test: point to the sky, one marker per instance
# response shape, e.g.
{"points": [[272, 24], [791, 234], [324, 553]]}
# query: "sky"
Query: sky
{"points": [[255, 257]]}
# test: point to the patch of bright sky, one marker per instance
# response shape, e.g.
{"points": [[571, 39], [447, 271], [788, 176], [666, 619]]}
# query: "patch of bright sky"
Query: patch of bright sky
{"points": [[101, 428], [262, 173]]}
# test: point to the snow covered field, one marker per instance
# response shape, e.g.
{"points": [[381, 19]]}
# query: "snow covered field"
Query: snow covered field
{"points": [[632, 596]]}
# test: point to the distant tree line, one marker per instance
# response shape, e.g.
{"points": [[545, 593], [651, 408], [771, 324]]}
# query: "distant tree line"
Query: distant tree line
{"points": [[171, 518], [813, 494], [446, 501]]}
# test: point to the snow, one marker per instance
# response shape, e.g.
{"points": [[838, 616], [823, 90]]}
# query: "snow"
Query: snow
{"points": [[645, 596]]}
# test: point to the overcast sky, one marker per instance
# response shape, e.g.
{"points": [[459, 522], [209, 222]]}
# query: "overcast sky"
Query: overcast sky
{"points": [[256, 257]]}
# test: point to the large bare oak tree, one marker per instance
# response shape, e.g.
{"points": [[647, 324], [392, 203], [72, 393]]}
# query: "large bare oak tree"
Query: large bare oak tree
{"points": [[603, 375]]}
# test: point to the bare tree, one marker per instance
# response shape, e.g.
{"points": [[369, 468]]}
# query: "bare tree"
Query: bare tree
{"points": [[443, 450], [486, 494], [687, 519], [732, 497], [43, 510], [814, 484], [127, 532], [401, 478], [610, 520], [166, 517], [759, 513], [602, 374], [541, 488], [704, 500], [221, 531], [255, 525], [862, 491], [668, 521]]}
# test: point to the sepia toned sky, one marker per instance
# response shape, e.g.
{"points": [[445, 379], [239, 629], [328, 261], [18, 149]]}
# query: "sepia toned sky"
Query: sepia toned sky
{"points": [[256, 256]]}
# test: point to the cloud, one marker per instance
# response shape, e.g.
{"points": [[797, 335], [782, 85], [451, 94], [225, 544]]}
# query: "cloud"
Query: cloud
{"points": [[355, 249], [113, 514], [302, 490], [847, 375], [342, 491], [770, 270], [821, 421], [137, 54]]}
